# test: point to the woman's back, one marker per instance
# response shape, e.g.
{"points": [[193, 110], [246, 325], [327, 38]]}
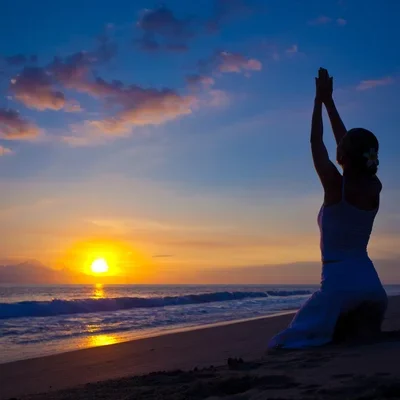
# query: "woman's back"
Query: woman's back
{"points": [[346, 225]]}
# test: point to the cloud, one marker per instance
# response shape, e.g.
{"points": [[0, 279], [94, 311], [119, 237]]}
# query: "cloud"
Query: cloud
{"points": [[226, 62], [38, 87], [196, 80], [220, 62], [373, 83], [71, 70], [235, 62], [83, 138], [5, 151], [161, 29], [126, 106], [292, 49], [134, 106], [324, 20], [218, 98], [146, 107], [98, 87], [13, 127], [73, 106], [34, 87], [321, 20]]}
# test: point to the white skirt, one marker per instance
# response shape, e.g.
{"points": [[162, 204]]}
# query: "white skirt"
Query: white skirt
{"points": [[345, 285]]}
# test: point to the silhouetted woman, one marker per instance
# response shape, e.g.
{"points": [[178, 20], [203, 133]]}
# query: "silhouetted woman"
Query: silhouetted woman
{"points": [[349, 280]]}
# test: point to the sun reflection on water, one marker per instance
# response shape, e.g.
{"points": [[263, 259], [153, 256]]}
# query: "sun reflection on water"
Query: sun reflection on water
{"points": [[98, 291], [101, 340]]}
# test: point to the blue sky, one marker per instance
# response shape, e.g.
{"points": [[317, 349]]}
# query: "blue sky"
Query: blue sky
{"points": [[183, 129]]}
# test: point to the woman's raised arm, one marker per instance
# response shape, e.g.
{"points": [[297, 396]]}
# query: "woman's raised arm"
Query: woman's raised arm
{"points": [[338, 128]]}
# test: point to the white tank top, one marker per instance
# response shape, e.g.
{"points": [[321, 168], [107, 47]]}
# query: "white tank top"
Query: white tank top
{"points": [[345, 230]]}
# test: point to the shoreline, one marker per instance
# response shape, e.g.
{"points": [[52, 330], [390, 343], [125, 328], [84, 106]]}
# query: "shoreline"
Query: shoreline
{"points": [[184, 350], [139, 335]]}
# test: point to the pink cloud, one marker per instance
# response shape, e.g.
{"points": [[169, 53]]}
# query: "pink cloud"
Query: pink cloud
{"points": [[99, 87], [38, 88], [373, 83], [321, 20], [235, 62], [4, 151], [146, 107], [34, 87], [341, 22], [13, 127], [134, 106]]}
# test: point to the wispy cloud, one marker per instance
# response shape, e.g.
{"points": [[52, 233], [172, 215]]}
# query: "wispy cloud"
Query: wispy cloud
{"points": [[321, 20], [235, 62], [218, 98], [136, 107], [13, 127], [146, 107], [373, 83], [196, 80], [292, 49], [226, 62], [5, 151], [324, 20]]}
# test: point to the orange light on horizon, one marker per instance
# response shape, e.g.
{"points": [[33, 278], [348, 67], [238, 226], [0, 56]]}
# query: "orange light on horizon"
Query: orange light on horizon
{"points": [[109, 261]]}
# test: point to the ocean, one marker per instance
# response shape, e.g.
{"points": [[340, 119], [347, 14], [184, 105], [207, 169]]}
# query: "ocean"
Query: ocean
{"points": [[43, 320]]}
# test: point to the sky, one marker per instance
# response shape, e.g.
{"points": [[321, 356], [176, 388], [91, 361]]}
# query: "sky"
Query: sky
{"points": [[173, 139]]}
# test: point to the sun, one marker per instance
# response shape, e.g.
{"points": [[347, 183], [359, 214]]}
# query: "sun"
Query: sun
{"points": [[99, 266]]}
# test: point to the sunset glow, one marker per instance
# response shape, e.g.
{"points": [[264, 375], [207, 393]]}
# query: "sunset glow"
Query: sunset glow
{"points": [[159, 137]]}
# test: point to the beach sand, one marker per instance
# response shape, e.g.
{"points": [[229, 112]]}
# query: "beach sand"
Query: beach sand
{"points": [[193, 365]]}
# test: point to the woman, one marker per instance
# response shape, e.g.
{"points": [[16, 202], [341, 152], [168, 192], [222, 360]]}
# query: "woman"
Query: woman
{"points": [[346, 218]]}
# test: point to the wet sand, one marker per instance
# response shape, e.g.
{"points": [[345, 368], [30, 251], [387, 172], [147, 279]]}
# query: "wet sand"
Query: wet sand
{"points": [[194, 366]]}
